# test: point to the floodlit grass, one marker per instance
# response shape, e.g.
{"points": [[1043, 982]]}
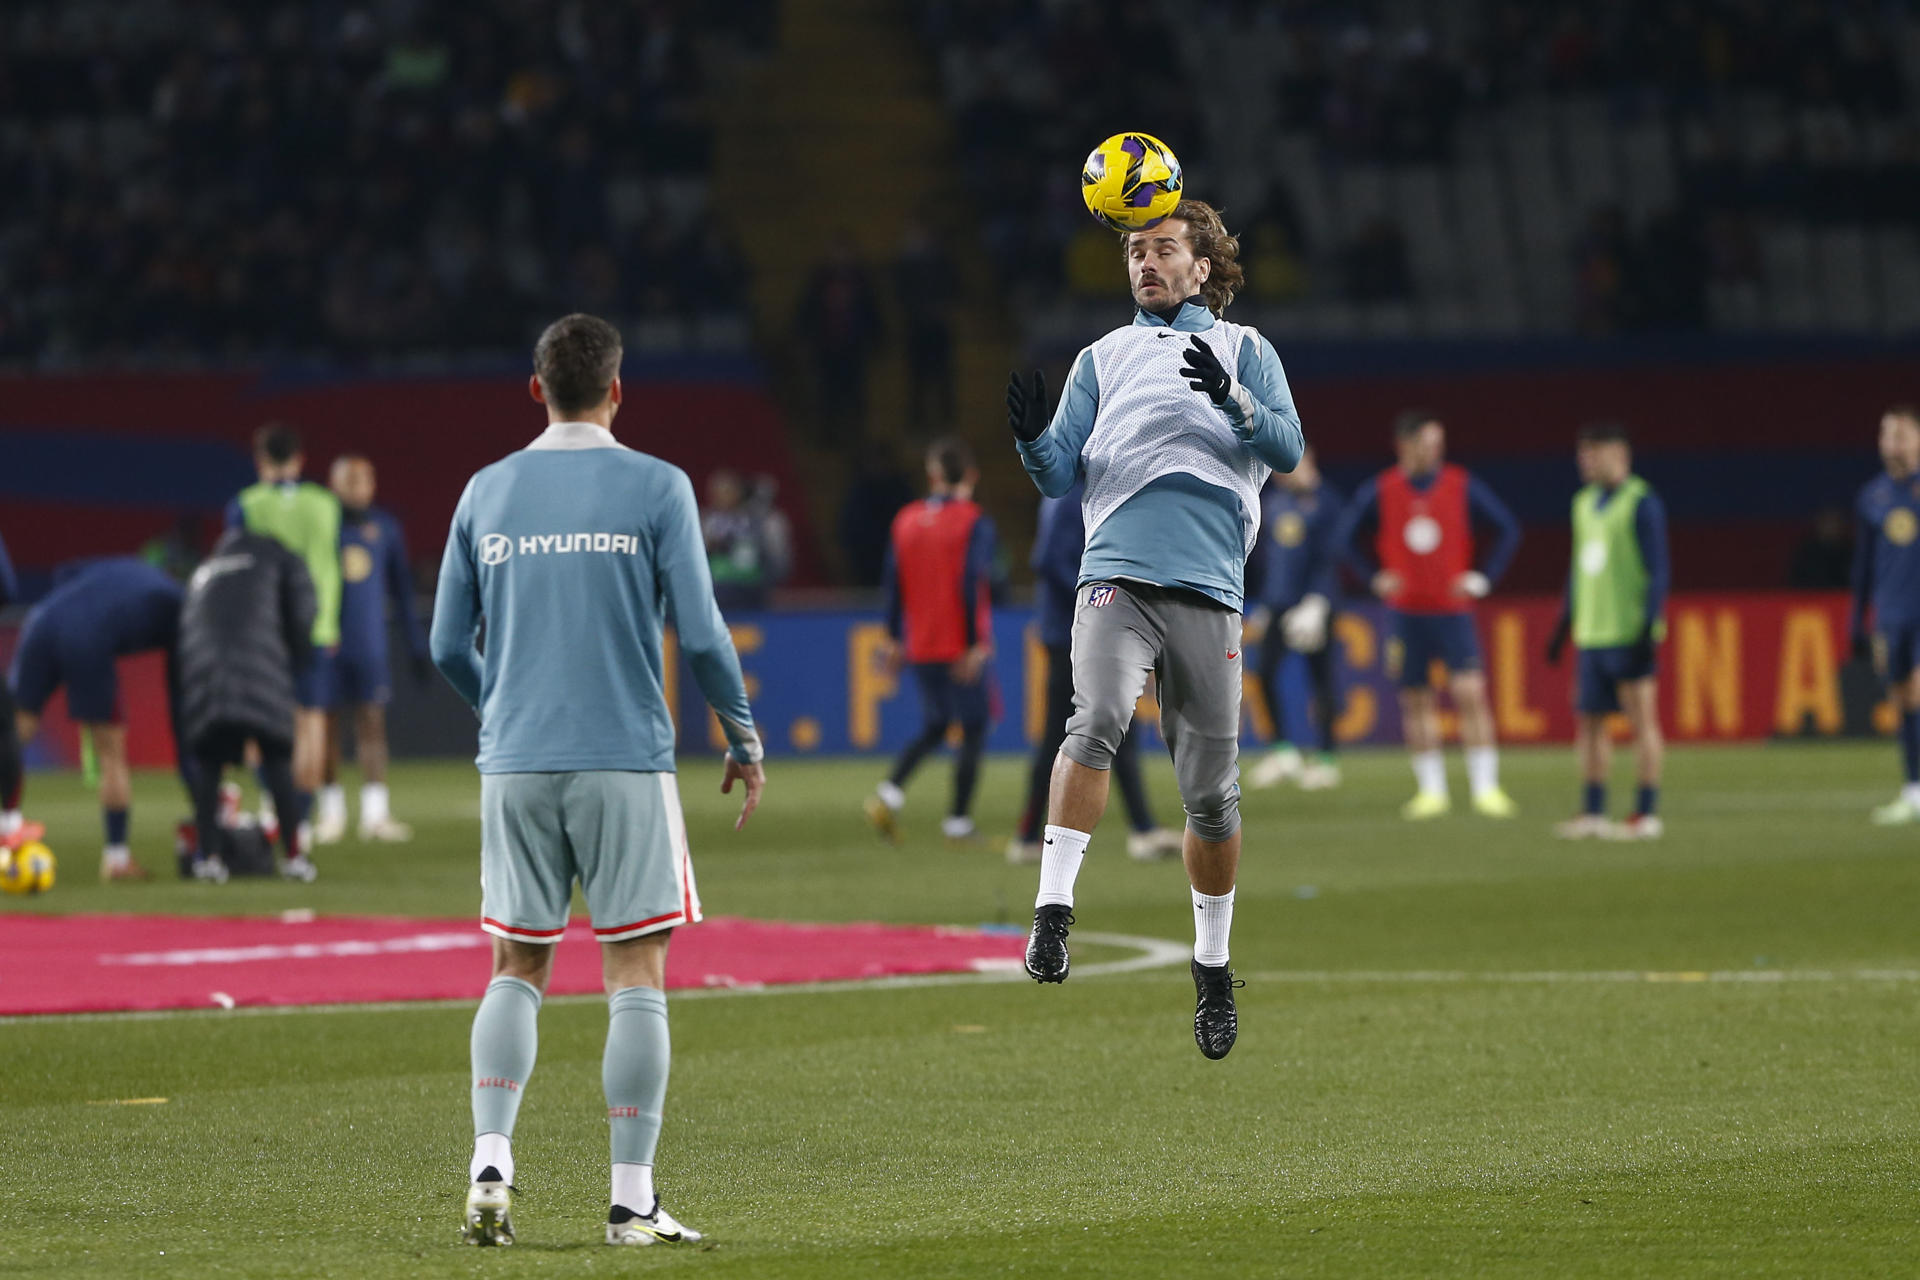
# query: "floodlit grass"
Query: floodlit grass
{"points": [[1465, 1050]]}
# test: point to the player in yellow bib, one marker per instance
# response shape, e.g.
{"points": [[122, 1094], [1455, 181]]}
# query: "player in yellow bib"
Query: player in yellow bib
{"points": [[304, 518], [1615, 612]]}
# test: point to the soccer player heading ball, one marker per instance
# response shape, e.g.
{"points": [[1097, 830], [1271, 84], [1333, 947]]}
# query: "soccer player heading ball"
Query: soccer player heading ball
{"points": [[1174, 422]]}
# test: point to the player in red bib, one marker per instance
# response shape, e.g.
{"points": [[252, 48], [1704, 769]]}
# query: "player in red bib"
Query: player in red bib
{"points": [[1420, 515], [940, 620]]}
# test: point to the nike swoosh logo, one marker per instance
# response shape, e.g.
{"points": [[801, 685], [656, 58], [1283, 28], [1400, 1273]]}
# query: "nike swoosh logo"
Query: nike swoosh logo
{"points": [[1232, 654]]}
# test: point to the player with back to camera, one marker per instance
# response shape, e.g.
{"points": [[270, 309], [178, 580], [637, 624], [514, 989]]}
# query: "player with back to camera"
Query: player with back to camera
{"points": [[1298, 581], [373, 570], [1615, 611], [573, 554], [1175, 422], [940, 621], [1886, 580], [73, 638], [1422, 511], [304, 518]]}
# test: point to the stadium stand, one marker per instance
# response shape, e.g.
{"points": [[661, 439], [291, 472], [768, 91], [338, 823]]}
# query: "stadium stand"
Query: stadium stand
{"points": [[415, 179], [1481, 167]]}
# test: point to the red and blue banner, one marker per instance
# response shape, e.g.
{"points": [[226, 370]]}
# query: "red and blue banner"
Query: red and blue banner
{"points": [[1735, 667]]}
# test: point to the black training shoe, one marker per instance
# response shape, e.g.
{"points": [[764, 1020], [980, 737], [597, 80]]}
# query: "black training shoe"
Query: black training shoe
{"points": [[1215, 1024], [1047, 944]]}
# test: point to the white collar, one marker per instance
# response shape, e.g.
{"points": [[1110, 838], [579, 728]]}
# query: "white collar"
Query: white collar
{"points": [[575, 435]]}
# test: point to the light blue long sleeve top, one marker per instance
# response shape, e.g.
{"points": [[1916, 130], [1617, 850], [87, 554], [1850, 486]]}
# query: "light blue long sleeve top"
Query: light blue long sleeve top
{"points": [[564, 563], [1178, 530]]}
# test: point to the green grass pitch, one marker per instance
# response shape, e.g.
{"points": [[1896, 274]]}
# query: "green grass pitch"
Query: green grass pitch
{"points": [[1466, 1050]]}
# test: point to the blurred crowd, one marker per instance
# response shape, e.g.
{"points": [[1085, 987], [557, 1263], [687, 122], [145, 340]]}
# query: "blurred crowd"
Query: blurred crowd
{"points": [[1779, 108], [194, 180]]}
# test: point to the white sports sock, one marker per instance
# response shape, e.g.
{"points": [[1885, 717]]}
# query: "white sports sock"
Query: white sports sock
{"points": [[633, 1187], [891, 796], [373, 804], [494, 1149], [1430, 772], [331, 804], [10, 822], [116, 855], [1483, 769], [1910, 793], [1212, 922], [1061, 849]]}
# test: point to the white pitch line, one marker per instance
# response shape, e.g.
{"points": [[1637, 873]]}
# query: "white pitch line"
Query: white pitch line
{"points": [[1315, 977], [1155, 953]]}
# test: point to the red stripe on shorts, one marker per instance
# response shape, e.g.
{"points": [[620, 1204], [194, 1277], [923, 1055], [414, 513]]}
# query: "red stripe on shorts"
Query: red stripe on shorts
{"points": [[539, 934], [640, 924]]}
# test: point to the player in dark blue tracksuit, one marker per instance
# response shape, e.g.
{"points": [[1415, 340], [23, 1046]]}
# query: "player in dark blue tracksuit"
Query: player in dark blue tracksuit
{"points": [[1057, 545], [1293, 579], [108, 610], [373, 571], [1886, 577], [14, 829]]}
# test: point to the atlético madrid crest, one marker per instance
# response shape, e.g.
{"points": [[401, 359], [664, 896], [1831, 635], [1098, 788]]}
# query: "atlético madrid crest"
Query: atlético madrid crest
{"points": [[1100, 596]]}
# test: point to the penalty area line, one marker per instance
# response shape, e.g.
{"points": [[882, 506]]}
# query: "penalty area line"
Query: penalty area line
{"points": [[1153, 953]]}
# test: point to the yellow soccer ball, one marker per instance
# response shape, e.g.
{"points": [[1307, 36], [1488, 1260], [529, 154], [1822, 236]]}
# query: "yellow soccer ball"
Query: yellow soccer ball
{"points": [[28, 869], [1131, 181]]}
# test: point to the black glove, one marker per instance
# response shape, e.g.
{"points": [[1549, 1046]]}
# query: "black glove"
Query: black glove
{"points": [[1862, 644], [422, 668], [1205, 373], [1027, 406], [1643, 647], [1557, 643]]}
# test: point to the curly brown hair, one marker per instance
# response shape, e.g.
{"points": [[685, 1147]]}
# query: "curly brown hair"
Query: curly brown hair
{"points": [[1210, 240]]}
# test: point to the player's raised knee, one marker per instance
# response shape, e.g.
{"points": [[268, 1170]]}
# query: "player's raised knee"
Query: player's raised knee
{"points": [[1093, 735], [1214, 814]]}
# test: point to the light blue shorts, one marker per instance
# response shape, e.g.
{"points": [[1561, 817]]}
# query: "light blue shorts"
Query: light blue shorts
{"points": [[619, 833]]}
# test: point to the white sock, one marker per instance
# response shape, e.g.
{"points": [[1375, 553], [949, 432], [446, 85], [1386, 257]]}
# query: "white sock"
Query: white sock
{"points": [[494, 1149], [116, 855], [373, 804], [1430, 772], [956, 827], [1061, 849], [331, 803], [1910, 793], [1212, 922], [1483, 769], [10, 822], [891, 796], [633, 1187], [303, 838]]}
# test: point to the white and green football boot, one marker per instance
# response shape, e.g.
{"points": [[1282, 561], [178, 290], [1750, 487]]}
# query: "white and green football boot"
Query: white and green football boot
{"points": [[489, 1218], [624, 1226], [1897, 814]]}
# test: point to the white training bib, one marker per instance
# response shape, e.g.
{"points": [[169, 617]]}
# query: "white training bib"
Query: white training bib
{"points": [[1150, 423]]}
